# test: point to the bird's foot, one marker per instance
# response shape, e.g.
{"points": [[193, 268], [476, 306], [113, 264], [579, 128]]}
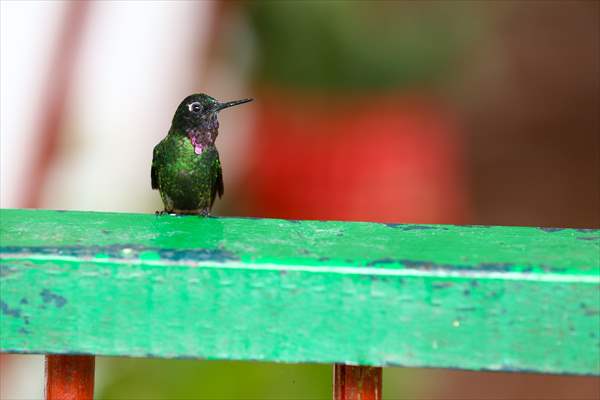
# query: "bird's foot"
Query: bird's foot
{"points": [[205, 212], [164, 212]]}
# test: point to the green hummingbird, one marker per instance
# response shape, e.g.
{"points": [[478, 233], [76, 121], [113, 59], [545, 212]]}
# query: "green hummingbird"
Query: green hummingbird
{"points": [[186, 168]]}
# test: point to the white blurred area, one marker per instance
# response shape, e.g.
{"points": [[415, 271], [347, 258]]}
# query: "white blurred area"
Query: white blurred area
{"points": [[135, 65], [135, 62], [24, 27]]}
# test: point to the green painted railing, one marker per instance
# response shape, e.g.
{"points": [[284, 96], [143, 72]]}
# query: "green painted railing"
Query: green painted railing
{"points": [[468, 297]]}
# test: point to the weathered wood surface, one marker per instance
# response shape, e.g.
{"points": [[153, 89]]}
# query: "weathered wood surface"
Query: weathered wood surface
{"points": [[492, 298]]}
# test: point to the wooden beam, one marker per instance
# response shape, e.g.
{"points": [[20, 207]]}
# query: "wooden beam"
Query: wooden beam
{"points": [[69, 377], [477, 298]]}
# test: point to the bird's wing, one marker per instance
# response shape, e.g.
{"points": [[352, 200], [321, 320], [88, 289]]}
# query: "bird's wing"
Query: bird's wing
{"points": [[154, 170], [218, 187]]}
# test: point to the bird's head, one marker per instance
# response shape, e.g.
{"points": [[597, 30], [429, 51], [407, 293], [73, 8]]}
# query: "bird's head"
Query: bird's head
{"points": [[198, 112]]}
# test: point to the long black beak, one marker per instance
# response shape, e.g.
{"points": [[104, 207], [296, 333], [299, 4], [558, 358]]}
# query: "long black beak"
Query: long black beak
{"points": [[227, 104]]}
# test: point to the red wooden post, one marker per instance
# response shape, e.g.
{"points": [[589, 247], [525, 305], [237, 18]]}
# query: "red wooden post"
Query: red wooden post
{"points": [[356, 383], [69, 377]]}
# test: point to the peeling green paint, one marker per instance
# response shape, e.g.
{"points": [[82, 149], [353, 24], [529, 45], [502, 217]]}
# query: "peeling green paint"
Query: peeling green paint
{"points": [[493, 298]]}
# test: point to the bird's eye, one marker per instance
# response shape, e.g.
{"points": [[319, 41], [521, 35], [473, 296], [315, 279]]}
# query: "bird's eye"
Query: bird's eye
{"points": [[195, 107]]}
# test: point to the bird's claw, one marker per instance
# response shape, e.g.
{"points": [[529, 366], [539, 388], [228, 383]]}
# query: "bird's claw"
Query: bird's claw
{"points": [[163, 212]]}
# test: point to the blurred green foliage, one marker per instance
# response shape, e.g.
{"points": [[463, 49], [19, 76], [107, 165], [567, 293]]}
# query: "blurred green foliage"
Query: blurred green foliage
{"points": [[132, 378], [199, 379], [345, 45]]}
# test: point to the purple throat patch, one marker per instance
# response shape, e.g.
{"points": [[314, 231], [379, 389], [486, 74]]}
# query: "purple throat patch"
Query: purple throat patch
{"points": [[197, 145]]}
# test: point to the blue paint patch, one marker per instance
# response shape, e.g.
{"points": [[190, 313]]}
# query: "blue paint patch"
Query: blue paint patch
{"points": [[6, 270], [125, 251], [552, 229], [49, 297], [581, 230], [441, 285], [409, 227], [481, 267], [393, 225], [13, 312], [382, 261], [588, 238], [496, 267], [217, 255], [588, 312]]}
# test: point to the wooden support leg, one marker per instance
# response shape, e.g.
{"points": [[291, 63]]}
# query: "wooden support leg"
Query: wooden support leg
{"points": [[356, 383], [69, 377]]}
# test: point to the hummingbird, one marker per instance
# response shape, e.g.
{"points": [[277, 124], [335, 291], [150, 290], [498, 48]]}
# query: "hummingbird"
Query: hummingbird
{"points": [[186, 168]]}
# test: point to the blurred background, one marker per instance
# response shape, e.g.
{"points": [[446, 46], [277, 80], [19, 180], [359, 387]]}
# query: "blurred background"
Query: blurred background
{"points": [[418, 112]]}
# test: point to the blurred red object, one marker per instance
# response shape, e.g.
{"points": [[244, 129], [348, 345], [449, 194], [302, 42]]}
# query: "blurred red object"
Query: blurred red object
{"points": [[70, 377], [387, 159]]}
